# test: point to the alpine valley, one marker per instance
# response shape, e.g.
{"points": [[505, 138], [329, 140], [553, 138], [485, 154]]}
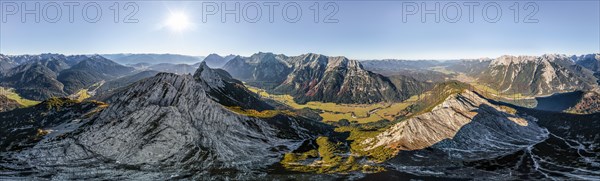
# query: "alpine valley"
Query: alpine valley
{"points": [[271, 116]]}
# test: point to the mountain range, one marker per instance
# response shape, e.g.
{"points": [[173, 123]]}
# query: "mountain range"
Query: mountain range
{"points": [[212, 60], [175, 124], [307, 117], [537, 75], [315, 77], [53, 75], [526, 75]]}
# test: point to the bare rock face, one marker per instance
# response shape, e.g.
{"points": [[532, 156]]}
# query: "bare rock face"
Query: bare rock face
{"points": [[315, 77], [589, 103], [464, 137], [589, 61], [217, 61], [537, 75], [163, 127], [454, 115], [23, 128], [264, 68], [226, 90], [6, 64], [7, 104], [337, 79]]}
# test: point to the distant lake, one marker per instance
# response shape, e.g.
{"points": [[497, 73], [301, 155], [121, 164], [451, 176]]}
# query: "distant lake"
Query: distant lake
{"points": [[558, 102]]}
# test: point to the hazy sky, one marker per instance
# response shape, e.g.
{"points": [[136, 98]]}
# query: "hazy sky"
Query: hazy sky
{"points": [[364, 29]]}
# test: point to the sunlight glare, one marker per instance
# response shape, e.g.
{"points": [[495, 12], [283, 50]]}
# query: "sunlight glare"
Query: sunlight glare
{"points": [[178, 22]]}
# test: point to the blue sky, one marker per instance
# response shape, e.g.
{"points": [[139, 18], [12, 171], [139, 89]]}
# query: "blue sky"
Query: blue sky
{"points": [[365, 30]]}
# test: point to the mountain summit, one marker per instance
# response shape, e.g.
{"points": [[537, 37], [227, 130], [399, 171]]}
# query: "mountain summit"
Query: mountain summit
{"points": [[217, 61], [226, 90], [315, 77], [168, 125], [537, 75], [336, 79]]}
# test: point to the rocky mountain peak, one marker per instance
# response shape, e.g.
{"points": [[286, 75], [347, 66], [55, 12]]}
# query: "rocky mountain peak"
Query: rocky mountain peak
{"points": [[312, 56], [338, 61], [315, 77], [554, 57], [312, 59], [268, 58], [345, 63], [522, 59], [215, 60], [168, 122], [510, 59], [222, 88], [450, 117], [538, 75], [208, 75], [262, 56], [589, 61], [97, 57], [213, 56]]}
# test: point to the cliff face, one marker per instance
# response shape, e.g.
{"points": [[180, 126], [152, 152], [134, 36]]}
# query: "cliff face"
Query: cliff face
{"points": [[537, 75], [266, 69], [315, 77], [227, 91], [456, 114], [589, 61], [336, 79]]}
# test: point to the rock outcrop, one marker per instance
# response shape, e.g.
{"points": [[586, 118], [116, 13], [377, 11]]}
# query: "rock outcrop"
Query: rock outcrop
{"points": [[444, 121], [589, 103], [7, 104], [167, 126], [23, 128]]}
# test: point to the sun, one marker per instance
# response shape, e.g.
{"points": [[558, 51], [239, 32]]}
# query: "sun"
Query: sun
{"points": [[178, 21]]}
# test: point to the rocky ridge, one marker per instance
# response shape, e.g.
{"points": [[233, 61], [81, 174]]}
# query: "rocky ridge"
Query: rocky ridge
{"points": [[444, 121], [167, 126]]}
